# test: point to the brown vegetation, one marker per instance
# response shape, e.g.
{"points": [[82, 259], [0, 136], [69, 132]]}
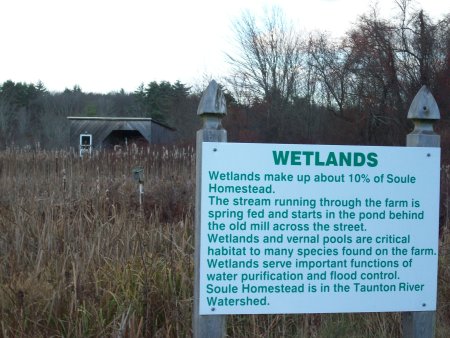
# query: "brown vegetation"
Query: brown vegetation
{"points": [[80, 258]]}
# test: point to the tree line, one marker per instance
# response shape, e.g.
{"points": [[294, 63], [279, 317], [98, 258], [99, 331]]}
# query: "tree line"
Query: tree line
{"points": [[356, 89], [284, 86], [32, 116]]}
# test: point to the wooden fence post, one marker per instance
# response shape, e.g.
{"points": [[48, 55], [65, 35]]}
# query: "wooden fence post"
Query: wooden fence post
{"points": [[423, 112], [212, 109]]}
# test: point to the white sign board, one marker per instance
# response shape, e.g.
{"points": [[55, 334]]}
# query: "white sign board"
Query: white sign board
{"points": [[318, 229]]}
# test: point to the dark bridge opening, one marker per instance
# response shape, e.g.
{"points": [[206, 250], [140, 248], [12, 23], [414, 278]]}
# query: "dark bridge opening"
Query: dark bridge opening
{"points": [[124, 138]]}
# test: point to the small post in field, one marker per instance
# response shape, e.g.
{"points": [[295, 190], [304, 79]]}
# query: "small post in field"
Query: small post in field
{"points": [[138, 175], [212, 109], [64, 179], [423, 112]]}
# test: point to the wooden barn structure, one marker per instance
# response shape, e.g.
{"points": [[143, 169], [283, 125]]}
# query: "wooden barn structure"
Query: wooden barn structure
{"points": [[87, 133]]}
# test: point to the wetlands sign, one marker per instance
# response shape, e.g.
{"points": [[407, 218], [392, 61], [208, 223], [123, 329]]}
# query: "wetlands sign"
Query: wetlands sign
{"points": [[316, 229]]}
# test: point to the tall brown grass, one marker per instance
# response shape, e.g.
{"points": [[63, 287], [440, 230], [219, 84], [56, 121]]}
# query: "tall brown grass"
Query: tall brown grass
{"points": [[79, 257]]}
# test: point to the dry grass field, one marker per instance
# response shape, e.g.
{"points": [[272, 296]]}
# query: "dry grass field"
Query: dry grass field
{"points": [[80, 258]]}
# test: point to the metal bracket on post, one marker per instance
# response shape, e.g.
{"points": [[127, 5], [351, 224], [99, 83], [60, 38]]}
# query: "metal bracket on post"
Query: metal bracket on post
{"points": [[212, 109], [423, 112]]}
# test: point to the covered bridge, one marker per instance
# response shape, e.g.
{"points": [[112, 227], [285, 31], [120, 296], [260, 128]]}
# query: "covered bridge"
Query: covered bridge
{"points": [[87, 133]]}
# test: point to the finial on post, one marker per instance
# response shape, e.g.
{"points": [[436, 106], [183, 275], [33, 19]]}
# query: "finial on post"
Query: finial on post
{"points": [[212, 101], [423, 112], [424, 106], [212, 108]]}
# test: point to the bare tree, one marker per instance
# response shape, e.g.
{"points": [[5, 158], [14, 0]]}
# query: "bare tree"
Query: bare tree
{"points": [[328, 64], [377, 85], [267, 63], [371, 74], [421, 46]]}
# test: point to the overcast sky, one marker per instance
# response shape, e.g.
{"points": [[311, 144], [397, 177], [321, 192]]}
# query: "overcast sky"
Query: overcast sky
{"points": [[107, 45]]}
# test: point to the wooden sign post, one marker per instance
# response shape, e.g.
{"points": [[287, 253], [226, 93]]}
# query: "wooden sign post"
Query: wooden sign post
{"points": [[212, 109], [423, 112]]}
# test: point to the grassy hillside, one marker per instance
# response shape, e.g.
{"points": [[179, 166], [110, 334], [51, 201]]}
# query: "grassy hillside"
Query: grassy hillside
{"points": [[80, 258]]}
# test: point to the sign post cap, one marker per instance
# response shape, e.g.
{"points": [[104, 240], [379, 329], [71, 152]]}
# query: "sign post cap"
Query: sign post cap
{"points": [[212, 101], [424, 106]]}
